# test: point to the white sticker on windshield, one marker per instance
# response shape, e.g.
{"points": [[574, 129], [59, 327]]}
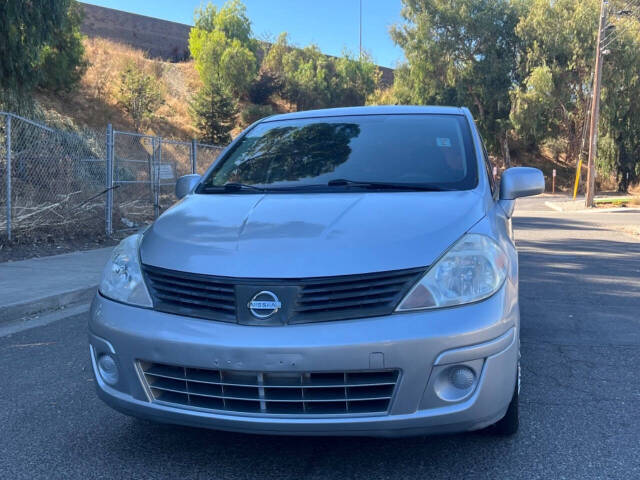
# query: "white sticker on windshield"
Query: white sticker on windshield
{"points": [[443, 142]]}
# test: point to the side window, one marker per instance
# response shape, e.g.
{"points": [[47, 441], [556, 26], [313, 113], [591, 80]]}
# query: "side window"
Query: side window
{"points": [[489, 167]]}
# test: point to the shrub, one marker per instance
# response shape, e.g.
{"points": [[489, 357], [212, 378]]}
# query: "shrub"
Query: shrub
{"points": [[382, 96], [139, 94]]}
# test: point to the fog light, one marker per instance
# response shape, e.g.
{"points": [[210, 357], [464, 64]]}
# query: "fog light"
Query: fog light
{"points": [[108, 369], [462, 377], [455, 382]]}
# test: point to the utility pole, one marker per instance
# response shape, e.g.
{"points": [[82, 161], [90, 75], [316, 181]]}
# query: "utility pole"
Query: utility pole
{"points": [[360, 29], [595, 110]]}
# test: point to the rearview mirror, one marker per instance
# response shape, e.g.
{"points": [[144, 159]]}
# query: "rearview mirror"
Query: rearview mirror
{"points": [[519, 182], [185, 184]]}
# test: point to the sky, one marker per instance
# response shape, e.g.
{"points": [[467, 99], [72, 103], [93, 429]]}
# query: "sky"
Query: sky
{"points": [[331, 24]]}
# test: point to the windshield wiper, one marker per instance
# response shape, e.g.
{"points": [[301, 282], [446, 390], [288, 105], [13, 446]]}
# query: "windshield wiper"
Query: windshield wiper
{"points": [[231, 187], [343, 182]]}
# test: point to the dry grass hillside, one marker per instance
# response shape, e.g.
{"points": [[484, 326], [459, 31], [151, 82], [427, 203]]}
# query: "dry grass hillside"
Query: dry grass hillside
{"points": [[93, 104]]}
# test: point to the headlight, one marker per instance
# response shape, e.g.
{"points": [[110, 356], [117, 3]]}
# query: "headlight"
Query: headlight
{"points": [[122, 278], [473, 269]]}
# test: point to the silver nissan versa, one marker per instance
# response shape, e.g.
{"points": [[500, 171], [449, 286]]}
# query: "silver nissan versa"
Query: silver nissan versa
{"points": [[335, 272]]}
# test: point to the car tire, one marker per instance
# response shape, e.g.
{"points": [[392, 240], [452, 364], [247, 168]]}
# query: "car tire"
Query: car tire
{"points": [[509, 424]]}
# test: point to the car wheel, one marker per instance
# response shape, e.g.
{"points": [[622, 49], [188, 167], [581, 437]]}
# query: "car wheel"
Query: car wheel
{"points": [[509, 424]]}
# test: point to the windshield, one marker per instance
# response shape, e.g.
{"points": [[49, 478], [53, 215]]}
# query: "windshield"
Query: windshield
{"points": [[428, 151]]}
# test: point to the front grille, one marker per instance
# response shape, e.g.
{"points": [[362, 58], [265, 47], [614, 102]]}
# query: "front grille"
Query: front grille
{"points": [[191, 294], [353, 296], [272, 393], [308, 299]]}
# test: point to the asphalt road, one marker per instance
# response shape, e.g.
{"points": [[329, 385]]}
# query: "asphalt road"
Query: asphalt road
{"points": [[580, 414]]}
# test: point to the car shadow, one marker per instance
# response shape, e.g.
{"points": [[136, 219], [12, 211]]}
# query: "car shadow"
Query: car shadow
{"points": [[259, 456]]}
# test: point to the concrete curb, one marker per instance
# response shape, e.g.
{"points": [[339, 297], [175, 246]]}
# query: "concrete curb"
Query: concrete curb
{"points": [[558, 207], [26, 323], [46, 304]]}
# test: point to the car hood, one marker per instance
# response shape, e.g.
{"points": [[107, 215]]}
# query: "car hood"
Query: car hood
{"points": [[308, 235]]}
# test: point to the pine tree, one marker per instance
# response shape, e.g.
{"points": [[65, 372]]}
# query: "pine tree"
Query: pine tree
{"points": [[214, 112]]}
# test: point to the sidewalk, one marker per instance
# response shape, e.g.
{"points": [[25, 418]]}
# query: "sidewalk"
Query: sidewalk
{"points": [[565, 203], [47, 283]]}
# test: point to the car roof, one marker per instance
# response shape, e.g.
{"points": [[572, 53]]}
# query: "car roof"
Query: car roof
{"points": [[372, 110]]}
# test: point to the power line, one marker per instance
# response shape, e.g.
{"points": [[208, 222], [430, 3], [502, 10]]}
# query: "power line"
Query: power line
{"points": [[618, 34], [627, 21], [629, 3], [629, 9]]}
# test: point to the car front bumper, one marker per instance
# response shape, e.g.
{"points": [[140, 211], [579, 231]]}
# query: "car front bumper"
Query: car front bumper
{"points": [[483, 336]]}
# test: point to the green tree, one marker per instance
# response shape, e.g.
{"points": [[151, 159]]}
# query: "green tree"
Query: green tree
{"points": [[222, 47], [214, 113], [558, 41], [460, 52], [305, 73], [139, 94], [356, 79], [533, 106], [29, 31], [619, 144], [63, 63], [231, 20], [310, 79]]}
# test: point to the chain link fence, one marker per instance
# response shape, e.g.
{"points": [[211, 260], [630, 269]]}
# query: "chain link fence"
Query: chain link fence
{"points": [[51, 180], [174, 160], [205, 155], [133, 181], [54, 183]]}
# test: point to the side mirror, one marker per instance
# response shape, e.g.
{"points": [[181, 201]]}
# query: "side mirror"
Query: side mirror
{"points": [[519, 182], [185, 184]]}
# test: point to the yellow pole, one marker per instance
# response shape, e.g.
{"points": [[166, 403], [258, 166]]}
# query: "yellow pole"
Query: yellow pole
{"points": [[578, 171]]}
